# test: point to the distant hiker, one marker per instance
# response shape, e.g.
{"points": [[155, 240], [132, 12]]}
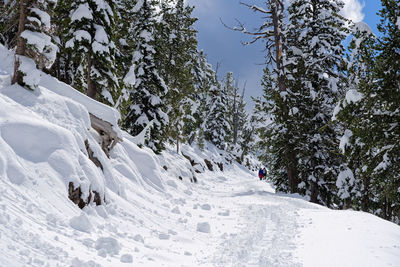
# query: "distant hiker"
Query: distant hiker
{"points": [[260, 174], [264, 173]]}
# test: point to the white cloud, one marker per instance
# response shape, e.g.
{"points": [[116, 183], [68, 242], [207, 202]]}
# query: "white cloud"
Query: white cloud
{"points": [[203, 5], [353, 10]]}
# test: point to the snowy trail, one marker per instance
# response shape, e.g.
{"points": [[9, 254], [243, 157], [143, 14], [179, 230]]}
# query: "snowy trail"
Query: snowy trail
{"points": [[268, 229], [266, 224]]}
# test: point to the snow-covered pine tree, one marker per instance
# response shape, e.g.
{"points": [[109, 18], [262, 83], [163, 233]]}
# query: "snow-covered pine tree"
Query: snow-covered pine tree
{"points": [[126, 45], [356, 120], [204, 78], [176, 57], [314, 59], [146, 113], [274, 134], [217, 124], [35, 48], [90, 38], [370, 115], [9, 16], [387, 112], [236, 115]]}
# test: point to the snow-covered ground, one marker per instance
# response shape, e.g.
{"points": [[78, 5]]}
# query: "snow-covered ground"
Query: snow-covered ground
{"points": [[151, 217]]}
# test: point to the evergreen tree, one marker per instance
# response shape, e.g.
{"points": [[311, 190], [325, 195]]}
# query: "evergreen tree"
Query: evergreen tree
{"points": [[204, 80], [90, 42], [370, 116], [9, 16], [314, 58], [355, 114], [35, 48], [146, 110], [176, 57], [216, 124]]}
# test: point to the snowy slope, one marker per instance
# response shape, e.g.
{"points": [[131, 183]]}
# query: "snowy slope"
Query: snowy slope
{"points": [[151, 217]]}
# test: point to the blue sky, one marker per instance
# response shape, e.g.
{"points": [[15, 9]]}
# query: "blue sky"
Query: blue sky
{"points": [[224, 46]]}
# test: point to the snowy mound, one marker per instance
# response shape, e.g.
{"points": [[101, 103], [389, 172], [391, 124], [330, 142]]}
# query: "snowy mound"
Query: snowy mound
{"points": [[152, 213]]}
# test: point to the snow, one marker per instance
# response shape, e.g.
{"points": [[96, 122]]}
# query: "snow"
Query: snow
{"points": [[344, 141], [31, 74], [398, 22], [44, 17], [362, 27], [152, 216], [82, 12], [81, 223]]}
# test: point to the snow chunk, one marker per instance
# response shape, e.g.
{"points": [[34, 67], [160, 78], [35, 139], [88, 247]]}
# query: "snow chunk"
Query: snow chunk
{"points": [[398, 22], [342, 178], [44, 17], [130, 77], [31, 73], [362, 27], [353, 96], [83, 11], [163, 236], [81, 223], [126, 258], [203, 227], [344, 141], [176, 210], [107, 245], [206, 207]]}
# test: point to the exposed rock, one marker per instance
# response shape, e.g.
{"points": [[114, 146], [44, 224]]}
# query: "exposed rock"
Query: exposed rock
{"points": [[95, 160], [75, 195], [220, 166], [198, 167], [109, 138], [209, 165], [165, 168]]}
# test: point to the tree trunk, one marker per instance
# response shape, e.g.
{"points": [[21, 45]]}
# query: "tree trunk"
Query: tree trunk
{"points": [[21, 42], [365, 195], [291, 167], [314, 192], [91, 87]]}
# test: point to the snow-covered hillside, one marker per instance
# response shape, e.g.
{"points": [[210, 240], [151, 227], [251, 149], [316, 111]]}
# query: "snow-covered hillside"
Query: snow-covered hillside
{"points": [[152, 213]]}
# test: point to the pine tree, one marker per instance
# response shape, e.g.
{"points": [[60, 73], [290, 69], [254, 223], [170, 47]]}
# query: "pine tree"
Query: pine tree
{"points": [[387, 112], [90, 42], [35, 48], [9, 16], [355, 116], [314, 59], [146, 112], [216, 124], [370, 116], [176, 57], [204, 80]]}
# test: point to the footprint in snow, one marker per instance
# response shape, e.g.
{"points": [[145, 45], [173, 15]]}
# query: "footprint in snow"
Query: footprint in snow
{"points": [[163, 236], [206, 207], [176, 210], [224, 213]]}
